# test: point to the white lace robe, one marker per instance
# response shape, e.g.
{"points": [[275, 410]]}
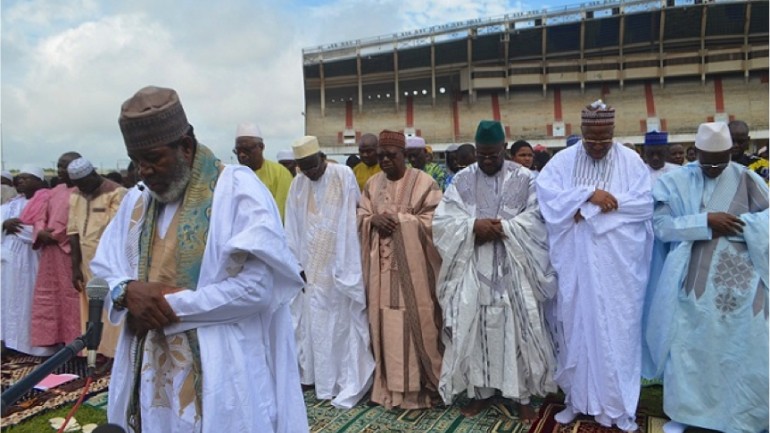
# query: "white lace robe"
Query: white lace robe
{"points": [[329, 315]]}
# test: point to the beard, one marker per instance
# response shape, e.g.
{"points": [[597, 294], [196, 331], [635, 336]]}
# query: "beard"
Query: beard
{"points": [[178, 185]]}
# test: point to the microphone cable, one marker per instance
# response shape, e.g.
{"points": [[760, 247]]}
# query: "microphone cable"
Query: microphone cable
{"points": [[75, 408]]}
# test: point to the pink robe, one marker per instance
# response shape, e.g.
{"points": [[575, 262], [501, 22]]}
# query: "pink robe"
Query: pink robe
{"points": [[55, 305]]}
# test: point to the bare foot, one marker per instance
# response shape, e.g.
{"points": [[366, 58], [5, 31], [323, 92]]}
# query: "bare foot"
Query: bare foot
{"points": [[475, 407], [527, 413]]}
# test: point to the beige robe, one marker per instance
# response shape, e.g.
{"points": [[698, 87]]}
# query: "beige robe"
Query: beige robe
{"points": [[88, 217], [400, 277]]}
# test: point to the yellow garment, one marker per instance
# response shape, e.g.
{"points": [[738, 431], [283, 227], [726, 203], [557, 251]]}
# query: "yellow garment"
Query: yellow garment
{"points": [[278, 180], [88, 217], [760, 167], [363, 172]]}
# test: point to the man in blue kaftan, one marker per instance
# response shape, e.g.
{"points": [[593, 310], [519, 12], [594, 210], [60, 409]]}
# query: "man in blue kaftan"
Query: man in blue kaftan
{"points": [[708, 324]]}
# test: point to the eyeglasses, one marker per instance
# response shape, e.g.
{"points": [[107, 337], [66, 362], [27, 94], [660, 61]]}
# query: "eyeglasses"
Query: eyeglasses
{"points": [[491, 156], [594, 142], [389, 155], [715, 166], [245, 150]]}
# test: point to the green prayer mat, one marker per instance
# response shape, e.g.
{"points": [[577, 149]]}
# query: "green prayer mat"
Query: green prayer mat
{"points": [[324, 418]]}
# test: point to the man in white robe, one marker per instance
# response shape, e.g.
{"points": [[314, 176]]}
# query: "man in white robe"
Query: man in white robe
{"points": [[201, 273], [595, 198], [708, 322], [19, 267], [330, 322], [495, 274]]}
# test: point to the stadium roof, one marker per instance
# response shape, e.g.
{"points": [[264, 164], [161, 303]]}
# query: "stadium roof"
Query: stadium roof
{"points": [[593, 28]]}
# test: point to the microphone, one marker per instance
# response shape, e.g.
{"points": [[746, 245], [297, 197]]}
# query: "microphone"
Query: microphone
{"points": [[97, 290]]}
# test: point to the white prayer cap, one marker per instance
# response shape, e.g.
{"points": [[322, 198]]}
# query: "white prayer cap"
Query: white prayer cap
{"points": [[7, 174], [305, 146], [713, 137], [248, 130], [79, 168], [415, 143], [452, 148], [285, 155], [34, 171]]}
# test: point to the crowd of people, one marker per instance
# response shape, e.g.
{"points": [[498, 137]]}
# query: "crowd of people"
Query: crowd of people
{"points": [[505, 274]]}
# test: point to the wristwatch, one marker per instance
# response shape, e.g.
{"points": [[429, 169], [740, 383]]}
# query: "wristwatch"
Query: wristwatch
{"points": [[118, 294]]}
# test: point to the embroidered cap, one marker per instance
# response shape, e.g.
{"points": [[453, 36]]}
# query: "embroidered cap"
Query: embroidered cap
{"points": [[152, 117], [7, 175], [598, 113], [79, 168], [655, 138], [392, 138], [305, 146]]}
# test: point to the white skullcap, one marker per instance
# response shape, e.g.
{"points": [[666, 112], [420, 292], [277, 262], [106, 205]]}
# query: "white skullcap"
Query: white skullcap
{"points": [[305, 146], [452, 148], [415, 143], [285, 155], [248, 130], [34, 171], [713, 137], [79, 168], [7, 174]]}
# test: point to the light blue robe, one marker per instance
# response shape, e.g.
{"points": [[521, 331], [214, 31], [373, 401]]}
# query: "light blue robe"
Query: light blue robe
{"points": [[708, 324]]}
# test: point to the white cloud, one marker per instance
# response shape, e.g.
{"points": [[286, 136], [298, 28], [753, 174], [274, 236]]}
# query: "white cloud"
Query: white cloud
{"points": [[68, 65]]}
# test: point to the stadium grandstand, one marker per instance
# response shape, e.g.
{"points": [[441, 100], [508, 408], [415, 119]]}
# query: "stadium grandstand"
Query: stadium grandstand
{"points": [[665, 65]]}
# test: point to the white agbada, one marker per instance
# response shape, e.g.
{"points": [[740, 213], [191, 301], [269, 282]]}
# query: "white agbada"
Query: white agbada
{"points": [[330, 322], [19, 270], [240, 310], [603, 266], [491, 294]]}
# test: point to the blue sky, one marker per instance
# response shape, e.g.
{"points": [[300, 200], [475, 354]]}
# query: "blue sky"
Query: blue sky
{"points": [[67, 65]]}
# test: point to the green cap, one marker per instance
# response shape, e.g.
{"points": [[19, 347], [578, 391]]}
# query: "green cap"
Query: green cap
{"points": [[489, 132]]}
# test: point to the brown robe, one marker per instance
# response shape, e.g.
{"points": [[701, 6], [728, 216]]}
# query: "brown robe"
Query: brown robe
{"points": [[400, 274]]}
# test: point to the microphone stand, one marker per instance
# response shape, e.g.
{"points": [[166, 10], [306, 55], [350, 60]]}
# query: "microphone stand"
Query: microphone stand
{"points": [[43, 370]]}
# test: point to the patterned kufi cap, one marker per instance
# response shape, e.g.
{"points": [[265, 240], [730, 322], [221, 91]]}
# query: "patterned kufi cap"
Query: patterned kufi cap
{"points": [[79, 168], [598, 113], [305, 146], [392, 138], [655, 138], [152, 117]]}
